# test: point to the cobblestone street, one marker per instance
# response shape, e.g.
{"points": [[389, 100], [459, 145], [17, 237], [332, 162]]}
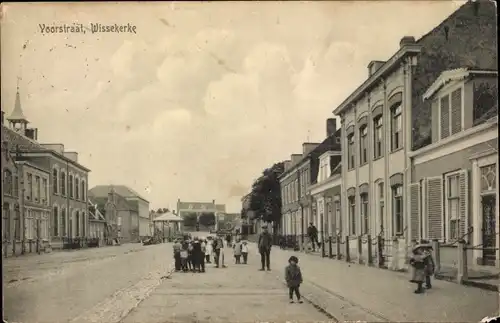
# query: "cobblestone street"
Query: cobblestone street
{"points": [[238, 293]]}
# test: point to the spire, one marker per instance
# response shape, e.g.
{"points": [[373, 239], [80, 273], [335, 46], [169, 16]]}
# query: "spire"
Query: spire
{"points": [[17, 115]]}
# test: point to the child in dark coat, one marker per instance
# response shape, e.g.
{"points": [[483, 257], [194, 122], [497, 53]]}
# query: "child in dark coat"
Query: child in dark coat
{"points": [[293, 278], [428, 262], [417, 261]]}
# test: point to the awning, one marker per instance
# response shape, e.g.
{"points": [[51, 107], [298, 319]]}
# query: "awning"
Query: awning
{"points": [[168, 217]]}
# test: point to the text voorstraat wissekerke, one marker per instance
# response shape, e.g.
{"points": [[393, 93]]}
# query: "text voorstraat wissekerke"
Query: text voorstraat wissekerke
{"points": [[92, 28]]}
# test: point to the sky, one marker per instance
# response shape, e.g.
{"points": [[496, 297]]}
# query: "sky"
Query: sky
{"points": [[203, 96]]}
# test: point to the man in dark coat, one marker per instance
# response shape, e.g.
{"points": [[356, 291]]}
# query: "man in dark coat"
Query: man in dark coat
{"points": [[198, 256], [265, 242], [312, 233]]}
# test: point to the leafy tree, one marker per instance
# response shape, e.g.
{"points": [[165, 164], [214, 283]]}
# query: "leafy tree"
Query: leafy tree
{"points": [[265, 197], [165, 210], [190, 219], [159, 211], [207, 219]]}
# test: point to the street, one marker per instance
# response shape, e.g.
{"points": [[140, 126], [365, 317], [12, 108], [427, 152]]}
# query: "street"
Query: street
{"points": [[128, 284]]}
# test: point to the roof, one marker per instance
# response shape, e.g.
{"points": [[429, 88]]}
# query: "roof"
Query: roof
{"points": [[454, 75], [17, 114], [122, 190], [24, 144], [18, 140], [330, 143], [122, 203], [167, 217]]}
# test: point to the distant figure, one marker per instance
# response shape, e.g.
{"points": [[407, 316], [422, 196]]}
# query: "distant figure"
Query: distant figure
{"points": [[208, 250], [218, 244], [293, 278], [198, 256], [237, 251], [177, 255], [190, 256], [265, 243], [244, 252], [184, 257], [417, 261], [312, 233]]}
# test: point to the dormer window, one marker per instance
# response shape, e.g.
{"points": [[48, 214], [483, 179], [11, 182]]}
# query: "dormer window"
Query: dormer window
{"points": [[450, 113]]}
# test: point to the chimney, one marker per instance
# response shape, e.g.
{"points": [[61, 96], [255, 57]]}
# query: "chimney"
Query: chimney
{"points": [[331, 126], [406, 40], [295, 158], [307, 147], [287, 164], [374, 66]]}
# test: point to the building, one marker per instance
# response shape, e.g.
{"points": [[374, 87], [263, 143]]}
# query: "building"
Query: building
{"points": [[120, 213], [67, 183], [300, 173], [454, 180], [11, 209], [135, 202], [97, 221], [385, 118]]}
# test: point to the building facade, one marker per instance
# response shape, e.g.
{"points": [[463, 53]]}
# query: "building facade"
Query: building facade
{"points": [[454, 185], [97, 221], [289, 184], [67, 181]]}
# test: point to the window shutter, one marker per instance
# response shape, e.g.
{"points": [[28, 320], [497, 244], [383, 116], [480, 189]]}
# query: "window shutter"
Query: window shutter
{"points": [[414, 208], [456, 111], [445, 116], [435, 207], [464, 202]]}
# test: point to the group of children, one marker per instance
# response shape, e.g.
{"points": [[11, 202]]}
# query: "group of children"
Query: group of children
{"points": [[240, 249], [422, 266], [191, 255]]}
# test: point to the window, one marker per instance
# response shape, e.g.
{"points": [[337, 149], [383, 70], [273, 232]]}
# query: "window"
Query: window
{"points": [[396, 127], [63, 230], [17, 224], [77, 220], [37, 188], [352, 217], [30, 228], [6, 221], [338, 222], [7, 182], [55, 180], [363, 145], [378, 135], [450, 109], [55, 223], [453, 201], [83, 190], [15, 186], [63, 183], [70, 185], [350, 151], [30, 186], [84, 221], [77, 188], [397, 209], [381, 205], [45, 189], [364, 213]]}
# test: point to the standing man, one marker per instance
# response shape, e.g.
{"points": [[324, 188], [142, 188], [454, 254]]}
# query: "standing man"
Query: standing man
{"points": [[177, 255], [312, 233], [265, 242]]}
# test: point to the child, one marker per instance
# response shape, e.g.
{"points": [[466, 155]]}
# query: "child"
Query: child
{"points": [[429, 263], [244, 252], [184, 257], [237, 251], [208, 250], [190, 257], [417, 261], [177, 255], [293, 278]]}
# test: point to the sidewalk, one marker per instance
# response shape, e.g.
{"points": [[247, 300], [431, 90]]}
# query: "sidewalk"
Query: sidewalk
{"points": [[387, 295]]}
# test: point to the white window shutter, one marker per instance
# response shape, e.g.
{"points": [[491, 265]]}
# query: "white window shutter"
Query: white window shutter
{"points": [[425, 219], [414, 208], [464, 203], [434, 198]]}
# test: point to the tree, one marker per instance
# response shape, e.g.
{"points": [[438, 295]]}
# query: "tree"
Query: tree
{"points": [[265, 197], [159, 211], [207, 219], [190, 219]]}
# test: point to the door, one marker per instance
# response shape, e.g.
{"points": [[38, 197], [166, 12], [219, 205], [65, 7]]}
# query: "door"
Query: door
{"points": [[489, 226]]}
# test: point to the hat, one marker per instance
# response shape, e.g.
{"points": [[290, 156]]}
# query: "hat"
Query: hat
{"points": [[417, 246], [294, 259]]}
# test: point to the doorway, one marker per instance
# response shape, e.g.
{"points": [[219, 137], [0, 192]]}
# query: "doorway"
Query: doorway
{"points": [[488, 203]]}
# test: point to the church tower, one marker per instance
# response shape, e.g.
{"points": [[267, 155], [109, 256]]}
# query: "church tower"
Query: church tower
{"points": [[17, 120]]}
